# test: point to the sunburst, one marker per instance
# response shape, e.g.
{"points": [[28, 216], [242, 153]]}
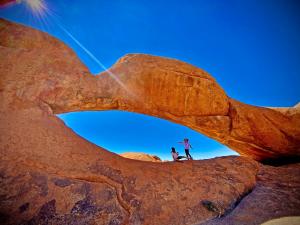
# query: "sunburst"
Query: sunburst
{"points": [[40, 10], [38, 7]]}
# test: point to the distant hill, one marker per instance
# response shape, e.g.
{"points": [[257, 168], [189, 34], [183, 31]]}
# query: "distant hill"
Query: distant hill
{"points": [[141, 156]]}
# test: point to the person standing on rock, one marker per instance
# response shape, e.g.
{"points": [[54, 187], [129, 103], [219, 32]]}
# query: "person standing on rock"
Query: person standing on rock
{"points": [[175, 155], [187, 147]]}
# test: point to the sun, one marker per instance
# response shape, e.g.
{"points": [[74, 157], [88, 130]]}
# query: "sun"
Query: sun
{"points": [[36, 6], [42, 11]]}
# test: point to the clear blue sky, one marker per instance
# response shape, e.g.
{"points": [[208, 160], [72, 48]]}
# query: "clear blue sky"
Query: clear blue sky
{"points": [[251, 47]]}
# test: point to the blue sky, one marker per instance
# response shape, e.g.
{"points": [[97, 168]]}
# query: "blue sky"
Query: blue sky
{"points": [[251, 47]]}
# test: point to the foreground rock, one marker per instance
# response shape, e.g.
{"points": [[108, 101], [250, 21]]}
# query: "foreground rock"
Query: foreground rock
{"points": [[131, 193], [141, 156], [284, 221], [276, 194], [50, 175]]}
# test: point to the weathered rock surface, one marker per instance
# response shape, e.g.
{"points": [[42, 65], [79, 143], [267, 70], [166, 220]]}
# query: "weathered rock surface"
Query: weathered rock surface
{"points": [[141, 156], [47, 72], [50, 175], [295, 220], [276, 194], [289, 111]]}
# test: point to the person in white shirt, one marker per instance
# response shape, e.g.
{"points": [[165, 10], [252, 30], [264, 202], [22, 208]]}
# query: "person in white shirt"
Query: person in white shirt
{"points": [[187, 147], [175, 155]]}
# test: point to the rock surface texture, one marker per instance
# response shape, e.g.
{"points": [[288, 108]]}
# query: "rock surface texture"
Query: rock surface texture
{"points": [[284, 221], [276, 194], [141, 156], [40, 70], [50, 175]]}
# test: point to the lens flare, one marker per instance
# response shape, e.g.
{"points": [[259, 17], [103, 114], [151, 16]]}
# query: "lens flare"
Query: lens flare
{"points": [[41, 11], [95, 59], [36, 6], [8, 3]]}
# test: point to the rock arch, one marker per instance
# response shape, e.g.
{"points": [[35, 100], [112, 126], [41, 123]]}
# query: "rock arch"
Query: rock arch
{"points": [[146, 84]]}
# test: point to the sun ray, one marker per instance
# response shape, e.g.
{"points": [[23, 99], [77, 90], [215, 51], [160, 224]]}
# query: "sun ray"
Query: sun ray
{"points": [[94, 58], [41, 12], [38, 7]]}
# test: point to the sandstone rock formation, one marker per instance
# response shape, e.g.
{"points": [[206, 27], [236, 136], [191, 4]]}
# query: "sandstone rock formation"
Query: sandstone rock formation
{"points": [[50, 175], [141, 156], [295, 220], [156, 86], [276, 194], [289, 111]]}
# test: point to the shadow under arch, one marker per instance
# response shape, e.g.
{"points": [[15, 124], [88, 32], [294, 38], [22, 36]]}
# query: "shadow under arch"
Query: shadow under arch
{"points": [[121, 131]]}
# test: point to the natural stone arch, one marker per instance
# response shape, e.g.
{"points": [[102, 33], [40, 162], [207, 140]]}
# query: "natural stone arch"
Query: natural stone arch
{"points": [[184, 94], [156, 86]]}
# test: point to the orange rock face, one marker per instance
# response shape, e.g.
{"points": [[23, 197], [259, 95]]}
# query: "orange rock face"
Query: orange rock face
{"points": [[141, 156], [50, 175], [156, 86], [276, 194]]}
